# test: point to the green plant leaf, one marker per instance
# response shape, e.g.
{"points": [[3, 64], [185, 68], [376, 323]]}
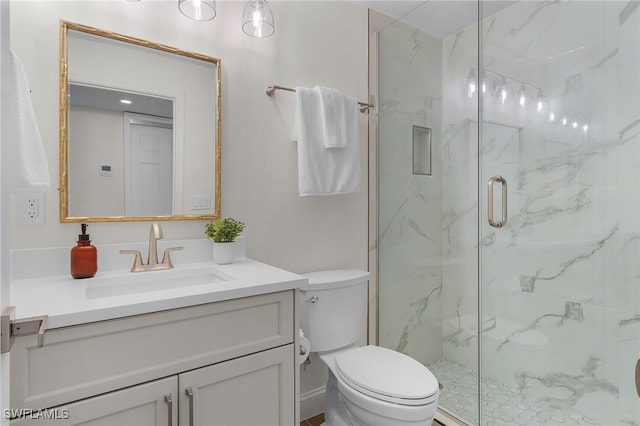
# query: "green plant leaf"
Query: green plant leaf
{"points": [[223, 230]]}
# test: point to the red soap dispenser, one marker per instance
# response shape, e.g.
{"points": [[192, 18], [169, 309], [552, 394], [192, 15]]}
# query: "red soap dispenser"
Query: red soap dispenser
{"points": [[84, 257]]}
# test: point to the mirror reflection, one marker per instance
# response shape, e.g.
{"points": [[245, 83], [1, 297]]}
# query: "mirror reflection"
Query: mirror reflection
{"points": [[139, 129]]}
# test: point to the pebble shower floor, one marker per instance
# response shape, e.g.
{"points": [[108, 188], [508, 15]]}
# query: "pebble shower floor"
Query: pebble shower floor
{"points": [[501, 405]]}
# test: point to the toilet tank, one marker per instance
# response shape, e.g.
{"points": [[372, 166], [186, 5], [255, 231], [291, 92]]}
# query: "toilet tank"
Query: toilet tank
{"points": [[333, 308]]}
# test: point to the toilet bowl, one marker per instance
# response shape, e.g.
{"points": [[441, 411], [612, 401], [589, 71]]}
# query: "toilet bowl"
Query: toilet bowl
{"points": [[368, 385]]}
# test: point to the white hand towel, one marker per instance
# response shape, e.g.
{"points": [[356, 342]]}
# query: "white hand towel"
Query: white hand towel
{"points": [[323, 171], [336, 116], [28, 161]]}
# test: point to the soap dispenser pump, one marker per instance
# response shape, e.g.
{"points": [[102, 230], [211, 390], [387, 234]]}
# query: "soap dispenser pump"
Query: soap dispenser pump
{"points": [[84, 256]]}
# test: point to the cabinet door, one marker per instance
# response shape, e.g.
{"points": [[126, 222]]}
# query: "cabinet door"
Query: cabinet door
{"points": [[255, 390], [153, 403]]}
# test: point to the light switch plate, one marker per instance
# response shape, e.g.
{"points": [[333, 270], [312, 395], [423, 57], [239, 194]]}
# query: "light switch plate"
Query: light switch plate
{"points": [[200, 202]]}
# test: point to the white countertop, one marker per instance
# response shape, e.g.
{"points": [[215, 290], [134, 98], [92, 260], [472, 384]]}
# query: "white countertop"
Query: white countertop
{"points": [[65, 300]]}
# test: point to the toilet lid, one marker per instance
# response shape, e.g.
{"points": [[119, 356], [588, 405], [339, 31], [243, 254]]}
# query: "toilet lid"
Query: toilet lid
{"points": [[386, 374]]}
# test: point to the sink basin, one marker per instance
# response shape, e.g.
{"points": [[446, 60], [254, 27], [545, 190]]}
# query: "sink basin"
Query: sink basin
{"points": [[142, 282]]}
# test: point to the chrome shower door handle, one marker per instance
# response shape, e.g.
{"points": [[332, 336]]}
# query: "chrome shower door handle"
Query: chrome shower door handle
{"points": [[503, 182]]}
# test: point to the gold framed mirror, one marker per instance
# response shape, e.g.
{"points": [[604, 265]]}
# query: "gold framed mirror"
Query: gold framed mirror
{"points": [[140, 129]]}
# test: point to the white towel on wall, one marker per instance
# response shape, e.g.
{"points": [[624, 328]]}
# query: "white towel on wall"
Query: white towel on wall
{"points": [[28, 168], [337, 117], [321, 170]]}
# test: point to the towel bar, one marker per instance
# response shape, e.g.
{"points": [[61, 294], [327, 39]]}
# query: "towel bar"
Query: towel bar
{"points": [[364, 107]]}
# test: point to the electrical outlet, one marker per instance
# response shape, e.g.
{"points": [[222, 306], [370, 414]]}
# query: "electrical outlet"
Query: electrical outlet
{"points": [[31, 208]]}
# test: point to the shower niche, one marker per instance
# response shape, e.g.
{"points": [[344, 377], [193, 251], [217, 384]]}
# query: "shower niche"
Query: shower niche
{"points": [[421, 152]]}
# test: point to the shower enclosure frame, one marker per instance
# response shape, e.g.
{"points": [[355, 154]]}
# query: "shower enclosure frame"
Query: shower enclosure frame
{"points": [[606, 249]]}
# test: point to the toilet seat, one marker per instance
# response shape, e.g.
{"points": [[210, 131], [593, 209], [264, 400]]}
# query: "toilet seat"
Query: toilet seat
{"points": [[387, 375]]}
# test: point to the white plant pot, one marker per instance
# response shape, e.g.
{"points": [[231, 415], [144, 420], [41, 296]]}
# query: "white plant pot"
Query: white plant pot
{"points": [[223, 253]]}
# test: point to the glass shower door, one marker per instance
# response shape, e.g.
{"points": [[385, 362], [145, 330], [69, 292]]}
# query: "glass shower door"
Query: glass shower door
{"points": [[536, 319], [560, 280]]}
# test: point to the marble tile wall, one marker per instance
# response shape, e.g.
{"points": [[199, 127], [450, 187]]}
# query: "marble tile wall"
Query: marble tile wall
{"points": [[560, 283], [410, 270]]}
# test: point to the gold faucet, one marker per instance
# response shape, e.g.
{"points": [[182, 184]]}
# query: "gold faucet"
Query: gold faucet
{"points": [[155, 234]]}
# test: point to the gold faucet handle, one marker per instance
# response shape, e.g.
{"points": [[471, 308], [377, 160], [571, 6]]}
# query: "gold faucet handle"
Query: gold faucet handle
{"points": [[166, 257], [137, 261]]}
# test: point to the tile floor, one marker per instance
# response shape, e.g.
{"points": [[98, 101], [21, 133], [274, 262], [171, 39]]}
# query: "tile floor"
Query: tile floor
{"points": [[501, 405]]}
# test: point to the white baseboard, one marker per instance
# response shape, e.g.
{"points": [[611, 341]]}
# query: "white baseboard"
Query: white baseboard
{"points": [[312, 403]]}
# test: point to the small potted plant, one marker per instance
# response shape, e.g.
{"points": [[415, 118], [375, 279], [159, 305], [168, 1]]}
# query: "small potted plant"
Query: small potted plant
{"points": [[223, 232]]}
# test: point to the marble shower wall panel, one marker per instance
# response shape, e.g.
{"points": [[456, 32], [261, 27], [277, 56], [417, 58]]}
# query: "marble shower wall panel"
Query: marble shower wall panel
{"points": [[410, 236], [554, 349]]}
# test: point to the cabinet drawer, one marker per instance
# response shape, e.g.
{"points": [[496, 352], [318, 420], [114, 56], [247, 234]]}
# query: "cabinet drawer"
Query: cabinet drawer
{"points": [[81, 361]]}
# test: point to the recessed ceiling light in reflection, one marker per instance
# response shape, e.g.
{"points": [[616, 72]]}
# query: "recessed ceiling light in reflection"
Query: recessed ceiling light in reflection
{"points": [[125, 101]]}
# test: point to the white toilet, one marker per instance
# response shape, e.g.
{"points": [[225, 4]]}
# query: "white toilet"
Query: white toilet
{"points": [[370, 385]]}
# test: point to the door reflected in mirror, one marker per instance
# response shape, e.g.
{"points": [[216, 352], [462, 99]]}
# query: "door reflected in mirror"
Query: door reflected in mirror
{"points": [[139, 129]]}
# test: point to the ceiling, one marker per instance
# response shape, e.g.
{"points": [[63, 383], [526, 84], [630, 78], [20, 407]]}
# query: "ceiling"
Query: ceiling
{"points": [[440, 18], [110, 99]]}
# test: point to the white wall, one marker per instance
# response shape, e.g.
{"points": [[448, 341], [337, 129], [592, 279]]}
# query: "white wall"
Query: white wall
{"points": [[92, 137], [316, 43]]}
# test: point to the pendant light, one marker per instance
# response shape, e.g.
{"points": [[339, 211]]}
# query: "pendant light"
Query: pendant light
{"points": [[198, 10], [257, 19]]}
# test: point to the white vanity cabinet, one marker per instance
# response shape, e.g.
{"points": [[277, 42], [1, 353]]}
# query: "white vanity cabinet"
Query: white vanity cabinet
{"points": [[224, 363]]}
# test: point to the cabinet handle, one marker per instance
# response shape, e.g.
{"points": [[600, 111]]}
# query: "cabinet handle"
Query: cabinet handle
{"points": [[169, 401], [189, 393]]}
